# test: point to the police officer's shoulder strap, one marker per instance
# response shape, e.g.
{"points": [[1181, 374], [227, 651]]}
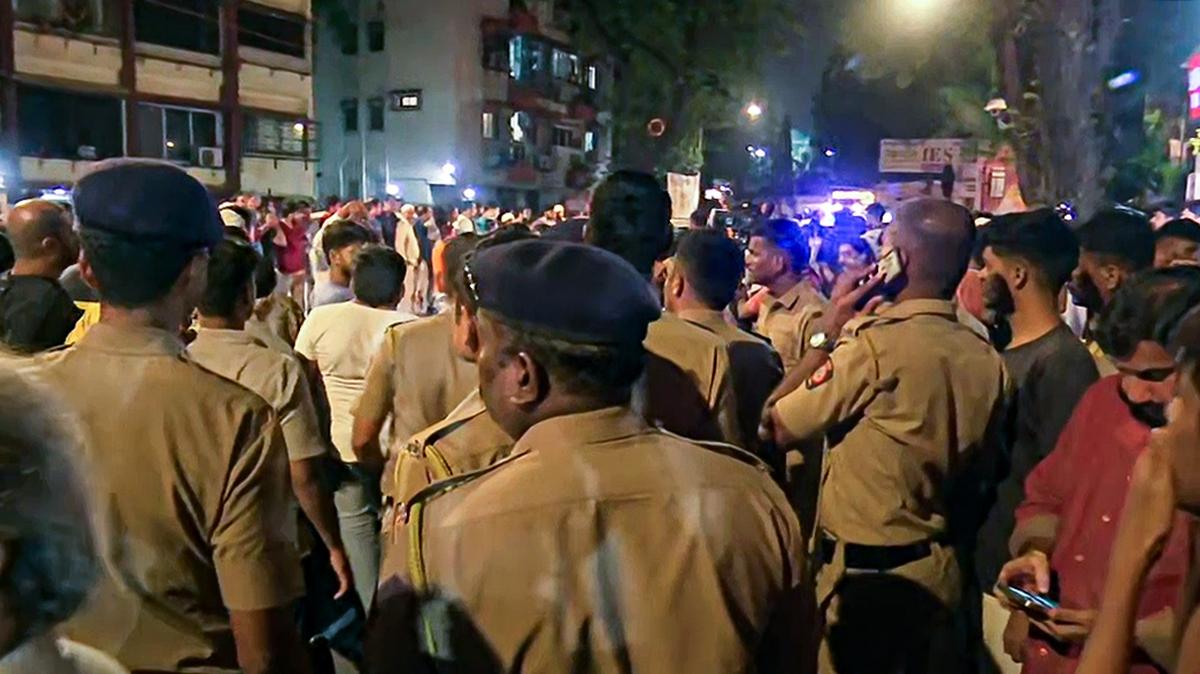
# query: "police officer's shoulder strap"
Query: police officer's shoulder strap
{"points": [[723, 448], [415, 512]]}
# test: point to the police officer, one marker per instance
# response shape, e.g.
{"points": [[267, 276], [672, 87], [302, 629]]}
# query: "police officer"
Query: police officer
{"points": [[908, 402], [188, 469], [688, 385], [609, 545], [417, 377], [702, 280], [777, 257]]}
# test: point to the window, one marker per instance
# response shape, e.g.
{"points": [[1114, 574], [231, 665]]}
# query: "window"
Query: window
{"points": [[193, 25], [997, 182], [98, 17], [350, 115], [489, 125], [59, 125], [566, 66], [593, 78], [272, 30], [274, 136], [495, 52], [176, 134], [375, 35], [348, 37], [405, 100], [589, 141], [564, 137], [526, 59], [375, 114]]}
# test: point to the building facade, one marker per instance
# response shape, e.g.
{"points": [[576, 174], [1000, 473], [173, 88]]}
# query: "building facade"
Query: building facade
{"points": [[431, 101], [221, 87]]}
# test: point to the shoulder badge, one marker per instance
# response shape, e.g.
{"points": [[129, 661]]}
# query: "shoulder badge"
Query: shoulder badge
{"points": [[821, 377]]}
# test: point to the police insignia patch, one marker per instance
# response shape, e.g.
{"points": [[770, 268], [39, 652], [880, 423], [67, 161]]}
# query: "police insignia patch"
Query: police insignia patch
{"points": [[821, 376]]}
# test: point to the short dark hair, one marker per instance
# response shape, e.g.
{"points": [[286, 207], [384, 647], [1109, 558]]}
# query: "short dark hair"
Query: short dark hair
{"points": [[787, 235], [631, 217], [292, 205], [231, 268], [857, 244], [712, 264], [1040, 238], [133, 272], [600, 372], [341, 234], [1146, 308], [454, 259], [497, 238], [378, 276], [1179, 228], [1120, 236]]}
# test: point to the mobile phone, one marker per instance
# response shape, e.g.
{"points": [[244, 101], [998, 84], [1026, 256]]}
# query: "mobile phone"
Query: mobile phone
{"points": [[1029, 602], [892, 269]]}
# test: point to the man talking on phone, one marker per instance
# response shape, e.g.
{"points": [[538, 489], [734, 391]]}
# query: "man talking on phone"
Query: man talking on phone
{"points": [[907, 399], [1067, 524]]}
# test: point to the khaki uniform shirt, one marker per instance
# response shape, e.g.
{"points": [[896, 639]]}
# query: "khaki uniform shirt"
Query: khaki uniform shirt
{"points": [[278, 379], [688, 386], [909, 398], [790, 321], [756, 368], [276, 322], [609, 547], [465, 441], [416, 377], [189, 484]]}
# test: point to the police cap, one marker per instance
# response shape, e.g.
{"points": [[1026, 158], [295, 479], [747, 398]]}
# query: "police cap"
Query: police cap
{"points": [[147, 199], [574, 292]]}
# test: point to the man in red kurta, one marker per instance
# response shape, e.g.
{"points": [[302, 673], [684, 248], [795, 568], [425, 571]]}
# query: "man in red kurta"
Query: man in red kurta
{"points": [[1074, 498]]}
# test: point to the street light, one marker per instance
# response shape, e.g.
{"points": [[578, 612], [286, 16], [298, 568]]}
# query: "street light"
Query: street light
{"points": [[469, 194], [392, 189], [760, 153], [754, 111]]}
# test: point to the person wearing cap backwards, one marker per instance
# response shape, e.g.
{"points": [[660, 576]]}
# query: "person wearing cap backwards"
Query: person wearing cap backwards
{"points": [[600, 543], [688, 385], [188, 470]]}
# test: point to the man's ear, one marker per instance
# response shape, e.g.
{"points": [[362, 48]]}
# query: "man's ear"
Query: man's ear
{"points": [[1019, 276], [529, 383], [1112, 276], [87, 273]]}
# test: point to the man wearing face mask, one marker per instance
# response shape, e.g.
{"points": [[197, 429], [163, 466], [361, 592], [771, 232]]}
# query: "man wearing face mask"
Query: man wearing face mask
{"points": [[1067, 524], [1027, 257]]}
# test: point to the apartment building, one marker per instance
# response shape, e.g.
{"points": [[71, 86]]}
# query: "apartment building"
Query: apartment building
{"points": [[220, 87], [479, 99]]}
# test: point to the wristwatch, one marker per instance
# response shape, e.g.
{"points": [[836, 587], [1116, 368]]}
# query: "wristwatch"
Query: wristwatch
{"points": [[822, 341]]}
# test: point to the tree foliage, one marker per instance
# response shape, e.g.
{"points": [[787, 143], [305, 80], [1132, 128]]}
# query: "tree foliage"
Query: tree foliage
{"points": [[691, 63]]}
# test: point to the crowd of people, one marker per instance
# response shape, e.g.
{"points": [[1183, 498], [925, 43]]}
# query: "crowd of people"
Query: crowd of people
{"points": [[254, 437]]}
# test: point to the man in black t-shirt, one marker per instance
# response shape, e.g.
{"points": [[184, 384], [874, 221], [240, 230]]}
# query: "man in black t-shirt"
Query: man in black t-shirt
{"points": [[35, 312], [1028, 257]]}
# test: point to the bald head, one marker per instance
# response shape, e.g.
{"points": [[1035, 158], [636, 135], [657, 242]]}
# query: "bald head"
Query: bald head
{"points": [[936, 238], [38, 228]]}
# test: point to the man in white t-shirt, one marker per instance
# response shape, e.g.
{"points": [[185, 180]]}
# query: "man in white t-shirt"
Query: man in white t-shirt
{"points": [[340, 340]]}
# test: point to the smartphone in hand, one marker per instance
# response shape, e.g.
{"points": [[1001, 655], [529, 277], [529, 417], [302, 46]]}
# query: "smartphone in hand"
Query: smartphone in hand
{"points": [[1037, 605]]}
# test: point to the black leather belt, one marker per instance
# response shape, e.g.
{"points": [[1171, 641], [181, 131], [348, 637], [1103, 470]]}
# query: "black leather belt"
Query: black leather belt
{"points": [[875, 557]]}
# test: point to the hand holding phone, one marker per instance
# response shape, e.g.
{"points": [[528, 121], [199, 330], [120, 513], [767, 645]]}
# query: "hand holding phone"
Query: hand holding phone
{"points": [[1038, 605]]}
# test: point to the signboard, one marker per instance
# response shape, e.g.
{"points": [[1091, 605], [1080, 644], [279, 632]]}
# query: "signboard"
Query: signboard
{"points": [[685, 196], [924, 155], [1193, 70]]}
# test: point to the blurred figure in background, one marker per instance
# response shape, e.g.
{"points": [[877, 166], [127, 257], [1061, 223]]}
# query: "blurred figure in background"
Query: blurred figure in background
{"points": [[49, 564], [1177, 242], [35, 312]]}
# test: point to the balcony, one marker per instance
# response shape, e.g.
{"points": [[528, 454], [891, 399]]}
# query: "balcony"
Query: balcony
{"points": [[78, 17]]}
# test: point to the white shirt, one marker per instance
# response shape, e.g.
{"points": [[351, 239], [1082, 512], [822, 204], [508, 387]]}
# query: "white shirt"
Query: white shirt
{"points": [[342, 339], [45, 655]]}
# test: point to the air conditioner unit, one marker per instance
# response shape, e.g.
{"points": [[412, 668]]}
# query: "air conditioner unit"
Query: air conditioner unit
{"points": [[211, 157]]}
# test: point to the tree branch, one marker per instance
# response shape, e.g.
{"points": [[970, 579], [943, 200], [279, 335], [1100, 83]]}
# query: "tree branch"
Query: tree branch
{"points": [[627, 38]]}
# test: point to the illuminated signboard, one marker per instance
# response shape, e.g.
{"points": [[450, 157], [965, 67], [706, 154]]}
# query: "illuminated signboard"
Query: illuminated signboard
{"points": [[1193, 68]]}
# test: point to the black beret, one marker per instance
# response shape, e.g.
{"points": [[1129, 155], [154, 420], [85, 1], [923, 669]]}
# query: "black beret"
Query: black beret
{"points": [[574, 292], [147, 199]]}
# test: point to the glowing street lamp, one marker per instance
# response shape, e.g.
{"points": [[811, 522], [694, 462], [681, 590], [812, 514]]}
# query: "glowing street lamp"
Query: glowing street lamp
{"points": [[392, 189], [754, 111], [469, 194]]}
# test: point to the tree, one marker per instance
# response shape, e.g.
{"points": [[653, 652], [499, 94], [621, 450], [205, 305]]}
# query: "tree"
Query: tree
{"points": [[691, 63]]}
